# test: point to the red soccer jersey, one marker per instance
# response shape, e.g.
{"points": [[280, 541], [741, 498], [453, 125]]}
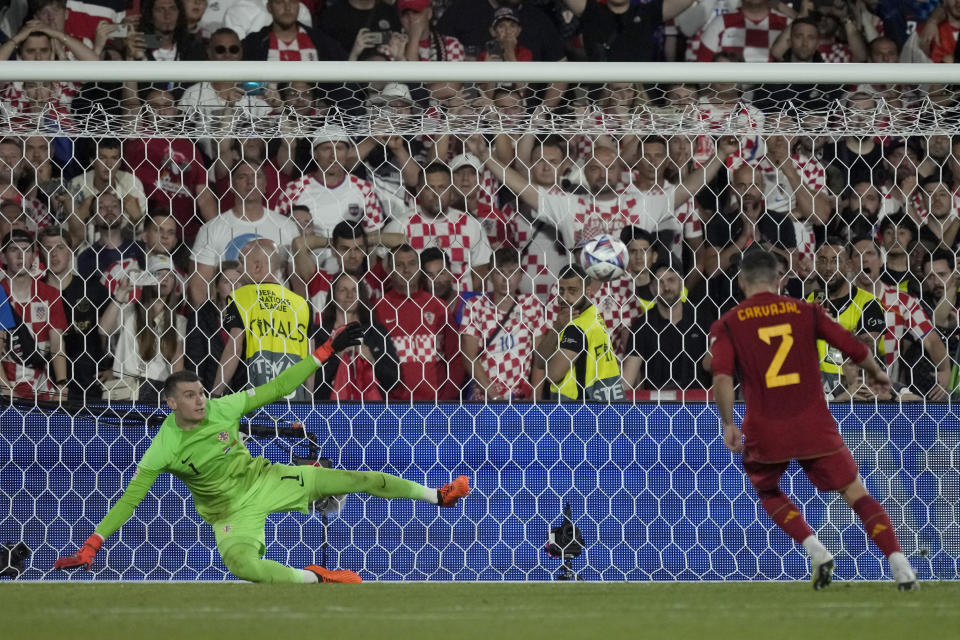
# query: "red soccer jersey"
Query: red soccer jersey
{"points": [[40, 314], [172, 171], [418, 326], [770, 342]]}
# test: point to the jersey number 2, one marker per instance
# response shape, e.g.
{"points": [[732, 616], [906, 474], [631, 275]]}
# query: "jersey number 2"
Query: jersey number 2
{"points": [[774, 377]]}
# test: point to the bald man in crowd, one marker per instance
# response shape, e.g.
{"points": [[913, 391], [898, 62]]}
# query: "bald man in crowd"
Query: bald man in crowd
{"points": [[270, 327]]}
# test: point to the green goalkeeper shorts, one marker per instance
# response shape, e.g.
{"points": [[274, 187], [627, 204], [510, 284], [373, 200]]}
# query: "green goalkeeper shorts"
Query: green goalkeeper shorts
{"points": [[279, 489]]}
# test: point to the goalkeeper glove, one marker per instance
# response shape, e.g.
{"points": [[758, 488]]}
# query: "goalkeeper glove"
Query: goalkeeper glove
{"points": [[83, 558], [342, 338]]}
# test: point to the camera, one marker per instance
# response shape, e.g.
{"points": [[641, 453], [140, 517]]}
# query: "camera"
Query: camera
{"points": [[381, 37], [13, 559], [119, 31], [493, 48], [565, 542]]}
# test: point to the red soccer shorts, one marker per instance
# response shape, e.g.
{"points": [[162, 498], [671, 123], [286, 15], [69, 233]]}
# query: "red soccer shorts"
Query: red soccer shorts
{"points": [[827, 473]]}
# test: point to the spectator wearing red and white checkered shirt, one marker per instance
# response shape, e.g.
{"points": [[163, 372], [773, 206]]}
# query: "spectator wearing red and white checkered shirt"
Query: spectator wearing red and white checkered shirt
{"points": [[500, 331], [602, 210], [424, 43], [750, 32], [722, 106], [14, 167], [417, 323], [331, 193], [473, 192], [38, 306], [905, 318], [796, 186], [436, 223]]}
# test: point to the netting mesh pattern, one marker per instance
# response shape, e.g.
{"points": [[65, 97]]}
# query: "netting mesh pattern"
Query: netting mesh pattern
{"points": [[129, 195], [158, 191], [653, 489]]}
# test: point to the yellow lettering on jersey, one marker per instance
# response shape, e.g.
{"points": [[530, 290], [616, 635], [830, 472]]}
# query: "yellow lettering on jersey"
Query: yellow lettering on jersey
{"points": [[763, 311], [264, 328], [773, 377]]}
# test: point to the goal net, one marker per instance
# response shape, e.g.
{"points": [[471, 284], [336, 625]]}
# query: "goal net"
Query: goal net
{"points": [[228, 222]]}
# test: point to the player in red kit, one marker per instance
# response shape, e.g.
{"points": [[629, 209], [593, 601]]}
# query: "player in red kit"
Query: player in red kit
{"points": [[770, 342]]}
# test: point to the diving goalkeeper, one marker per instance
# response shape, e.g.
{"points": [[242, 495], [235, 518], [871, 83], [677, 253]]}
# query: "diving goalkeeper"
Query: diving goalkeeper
{"points": [[199, 442]]}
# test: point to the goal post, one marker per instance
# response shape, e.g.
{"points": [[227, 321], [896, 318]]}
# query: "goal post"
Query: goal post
{"points": [[541, 157]]}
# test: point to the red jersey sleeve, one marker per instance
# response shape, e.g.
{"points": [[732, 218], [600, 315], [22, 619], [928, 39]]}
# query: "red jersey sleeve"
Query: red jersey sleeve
{"points": [[721, 349], [828, 329], [58, 319]]}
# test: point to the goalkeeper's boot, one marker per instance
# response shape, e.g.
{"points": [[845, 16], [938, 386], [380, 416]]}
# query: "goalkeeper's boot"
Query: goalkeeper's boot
{"points": [[342, 576], [822, 574], [450, 493], [903, 573]]}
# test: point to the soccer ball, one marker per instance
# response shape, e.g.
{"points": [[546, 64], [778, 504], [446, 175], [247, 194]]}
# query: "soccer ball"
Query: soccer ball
{"points": [[604, 258]]}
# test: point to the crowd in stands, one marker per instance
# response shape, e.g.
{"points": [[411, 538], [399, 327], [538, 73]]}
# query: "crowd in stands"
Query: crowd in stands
{"points": [[128, 258]]}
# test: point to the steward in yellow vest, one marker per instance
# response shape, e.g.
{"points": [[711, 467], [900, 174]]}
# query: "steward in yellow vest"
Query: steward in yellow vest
{"points": [[578, 357], [270, 327], [856, 310]]}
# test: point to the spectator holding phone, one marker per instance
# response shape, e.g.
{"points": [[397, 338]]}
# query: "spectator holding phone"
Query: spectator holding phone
{"points": [[505, 31], [162, 33], [373, 21]]}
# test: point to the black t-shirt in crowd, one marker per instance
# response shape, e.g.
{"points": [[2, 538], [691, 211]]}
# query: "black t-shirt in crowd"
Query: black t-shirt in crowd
{"points": [[469, 22], [84, 301], [636, 35], [671, 353], [342, 22]]}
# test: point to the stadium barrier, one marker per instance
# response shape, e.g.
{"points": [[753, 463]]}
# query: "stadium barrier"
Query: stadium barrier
{"points": [[654, 491]]}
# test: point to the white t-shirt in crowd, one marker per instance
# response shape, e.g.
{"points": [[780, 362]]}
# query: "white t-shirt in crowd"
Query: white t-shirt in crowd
{"points": [[223, 237], [124, 184], [353, 200], [202, 99], [127, 360], [579, 218]]}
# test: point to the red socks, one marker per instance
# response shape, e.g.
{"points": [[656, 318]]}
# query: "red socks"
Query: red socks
{"points": [[877, 523], [785, 514]]}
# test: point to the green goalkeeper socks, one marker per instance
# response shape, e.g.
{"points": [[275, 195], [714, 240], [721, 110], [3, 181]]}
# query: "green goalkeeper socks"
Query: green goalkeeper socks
{"points": [[332, 482], [243, 560]]}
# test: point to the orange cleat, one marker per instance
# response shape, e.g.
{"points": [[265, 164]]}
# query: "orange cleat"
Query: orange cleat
{"points": [[342, 576], [450, 493]]}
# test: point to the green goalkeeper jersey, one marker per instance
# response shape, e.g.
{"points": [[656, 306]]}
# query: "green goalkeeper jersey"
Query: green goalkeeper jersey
{"points": [[210, 459]]}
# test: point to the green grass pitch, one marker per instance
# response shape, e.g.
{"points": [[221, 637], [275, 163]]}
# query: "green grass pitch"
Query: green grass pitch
{"points": [[709, 611]]}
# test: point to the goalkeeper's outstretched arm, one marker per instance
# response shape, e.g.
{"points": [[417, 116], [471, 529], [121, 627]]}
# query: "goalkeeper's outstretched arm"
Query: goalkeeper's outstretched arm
{"points": [[288, 381], [118, 514]]}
